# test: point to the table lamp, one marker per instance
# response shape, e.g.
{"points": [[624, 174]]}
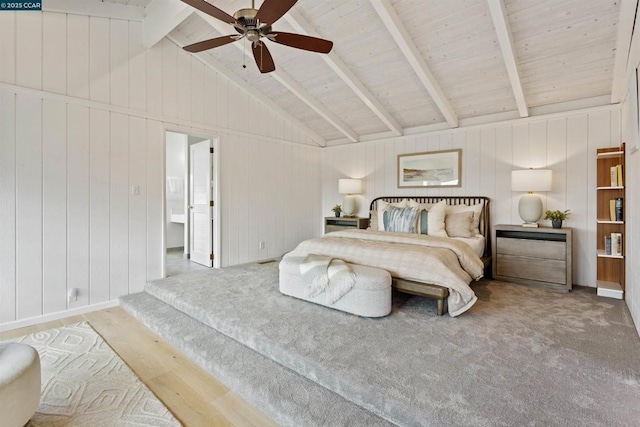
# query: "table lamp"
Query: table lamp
{"points": [[349, 187], [530, 204]]}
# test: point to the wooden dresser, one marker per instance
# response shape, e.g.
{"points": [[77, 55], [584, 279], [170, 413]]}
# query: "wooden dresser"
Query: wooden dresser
{"points": [[344, 223], [533, 256]]}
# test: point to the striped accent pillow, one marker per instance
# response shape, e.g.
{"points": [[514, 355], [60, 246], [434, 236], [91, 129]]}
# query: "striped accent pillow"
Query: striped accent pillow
{"points": [[424, 221], [431, 219], [400, 219]]}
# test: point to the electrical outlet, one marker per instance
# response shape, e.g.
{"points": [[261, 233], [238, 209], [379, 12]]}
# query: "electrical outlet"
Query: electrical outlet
{"points": [[135, 190], [262, 245], [72, 295]]}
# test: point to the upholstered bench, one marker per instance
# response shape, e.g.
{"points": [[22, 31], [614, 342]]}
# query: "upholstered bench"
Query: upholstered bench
{"points": [[19, 384], [370, 296]]}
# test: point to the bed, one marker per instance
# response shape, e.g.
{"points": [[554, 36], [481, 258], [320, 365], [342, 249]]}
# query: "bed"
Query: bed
{"points": [[432, 266]]}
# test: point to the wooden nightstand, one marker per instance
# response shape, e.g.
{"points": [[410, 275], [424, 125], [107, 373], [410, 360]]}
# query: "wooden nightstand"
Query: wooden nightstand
{"points": [[533, 256], [332, 223]]}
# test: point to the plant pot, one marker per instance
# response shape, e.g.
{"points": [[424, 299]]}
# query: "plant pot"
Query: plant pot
{"points": [[337, 214], [556, 223]]}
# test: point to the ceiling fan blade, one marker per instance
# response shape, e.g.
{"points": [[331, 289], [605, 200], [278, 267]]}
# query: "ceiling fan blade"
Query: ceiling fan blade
{"points": [[209, 44], [272, 10], [300, 41], [210, 9], [263, 58]]}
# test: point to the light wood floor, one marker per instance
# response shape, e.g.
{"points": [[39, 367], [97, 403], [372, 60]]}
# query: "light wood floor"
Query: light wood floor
{"points": [[191, 394]]}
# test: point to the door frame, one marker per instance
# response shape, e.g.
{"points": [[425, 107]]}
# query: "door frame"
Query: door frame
{"points": [[217, 238]]}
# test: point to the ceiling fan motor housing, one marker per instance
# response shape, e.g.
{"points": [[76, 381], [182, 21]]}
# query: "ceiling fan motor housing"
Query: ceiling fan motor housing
{"points": [[247, 17]]}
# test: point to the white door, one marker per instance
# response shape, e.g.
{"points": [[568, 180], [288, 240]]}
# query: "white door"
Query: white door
{"points": [[201, 203]]}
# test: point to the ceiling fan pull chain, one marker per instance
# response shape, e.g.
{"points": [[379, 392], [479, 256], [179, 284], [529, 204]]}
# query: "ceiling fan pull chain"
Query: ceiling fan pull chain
{"points": [[244, 53]]}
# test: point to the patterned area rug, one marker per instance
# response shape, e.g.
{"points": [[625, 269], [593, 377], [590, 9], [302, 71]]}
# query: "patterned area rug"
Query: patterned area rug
{"points": [[85, 383]]}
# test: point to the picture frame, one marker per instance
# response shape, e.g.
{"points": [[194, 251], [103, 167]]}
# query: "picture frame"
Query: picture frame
{"points": [[432, 169]]}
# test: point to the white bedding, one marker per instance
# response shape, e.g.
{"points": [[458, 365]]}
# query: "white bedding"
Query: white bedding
{"points": [[428, 259], [476, 243]]}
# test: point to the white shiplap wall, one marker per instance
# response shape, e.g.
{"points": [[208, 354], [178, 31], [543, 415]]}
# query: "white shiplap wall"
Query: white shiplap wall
{"points": [[631, 135], [564, 143], [83, 111]]}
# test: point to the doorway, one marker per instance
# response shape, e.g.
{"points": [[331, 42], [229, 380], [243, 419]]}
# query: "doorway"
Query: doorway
{"points": [[192, 226]]}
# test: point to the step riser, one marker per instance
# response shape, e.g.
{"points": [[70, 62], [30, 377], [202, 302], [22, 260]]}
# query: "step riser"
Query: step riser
{"points": [[292, 400]]}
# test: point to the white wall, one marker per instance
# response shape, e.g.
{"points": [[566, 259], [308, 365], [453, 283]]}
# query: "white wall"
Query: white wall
{"points": [[176, 167], [83, 112], [632, 202], [564, 143]]}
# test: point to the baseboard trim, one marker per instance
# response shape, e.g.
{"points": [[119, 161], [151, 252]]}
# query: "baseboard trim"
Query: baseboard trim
{"points": [[56, 316]]}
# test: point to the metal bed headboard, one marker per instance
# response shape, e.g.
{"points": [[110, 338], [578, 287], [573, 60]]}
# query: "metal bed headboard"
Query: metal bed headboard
{"points": [[485, 218]]}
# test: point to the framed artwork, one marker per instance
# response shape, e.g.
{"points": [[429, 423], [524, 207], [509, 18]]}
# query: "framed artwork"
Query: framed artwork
{"points": [[432, 169]]}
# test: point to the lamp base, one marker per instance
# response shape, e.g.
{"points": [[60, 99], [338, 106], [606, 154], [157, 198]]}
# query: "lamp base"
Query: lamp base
{"points": [[530, 209], [530, 225], [349, 206]]}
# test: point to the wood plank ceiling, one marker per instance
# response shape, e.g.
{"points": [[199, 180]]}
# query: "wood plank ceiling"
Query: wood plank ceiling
{"points": [[403, 66]]}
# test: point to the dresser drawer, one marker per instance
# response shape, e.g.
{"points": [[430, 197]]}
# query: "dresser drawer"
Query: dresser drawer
{"points": [[543, 270], [532, 248], [329, 228]]}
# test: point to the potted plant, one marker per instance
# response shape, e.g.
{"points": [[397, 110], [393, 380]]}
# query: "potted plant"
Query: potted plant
{"points": [[336, 210], [557, 217]]}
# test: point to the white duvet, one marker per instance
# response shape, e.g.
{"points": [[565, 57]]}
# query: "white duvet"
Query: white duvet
{"points": [[441, 261]]}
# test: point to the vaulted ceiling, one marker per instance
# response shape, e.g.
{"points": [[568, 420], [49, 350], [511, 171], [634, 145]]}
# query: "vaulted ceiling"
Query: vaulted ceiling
{"points": [[406, 66]]}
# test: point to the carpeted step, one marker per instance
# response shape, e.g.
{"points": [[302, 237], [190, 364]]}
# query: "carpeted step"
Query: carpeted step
{"points": [[511, 358], [285, 396]]}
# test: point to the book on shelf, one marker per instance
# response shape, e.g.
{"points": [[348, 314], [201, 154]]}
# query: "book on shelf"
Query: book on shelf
{"points": [[619, 175], [614, 176], [616, 244], [612, 210], [619, 205], [607, 245]]}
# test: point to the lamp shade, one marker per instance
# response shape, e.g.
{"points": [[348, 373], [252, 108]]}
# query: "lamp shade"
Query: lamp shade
{"points": [[349, 186], [531, 180]]}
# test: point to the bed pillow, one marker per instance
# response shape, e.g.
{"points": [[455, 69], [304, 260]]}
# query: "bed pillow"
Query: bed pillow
{"points": [[373, 221], [422, 223], [412, 203], [477, 212], [382, 206], [436, 219], [460, 224], [434, 216], [401, 220]]}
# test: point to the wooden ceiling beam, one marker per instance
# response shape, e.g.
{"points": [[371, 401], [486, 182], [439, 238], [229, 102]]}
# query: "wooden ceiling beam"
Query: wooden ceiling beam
{"points": [[628, 11], [288, 82], [297, 21], [220, 68], [501, 24], [94, 8], [162, 16], [394, 25]]}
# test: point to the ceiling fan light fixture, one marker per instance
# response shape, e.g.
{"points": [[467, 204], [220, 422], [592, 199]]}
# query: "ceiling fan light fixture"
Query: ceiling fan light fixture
{"points": [[254, 24], [253, 35]]}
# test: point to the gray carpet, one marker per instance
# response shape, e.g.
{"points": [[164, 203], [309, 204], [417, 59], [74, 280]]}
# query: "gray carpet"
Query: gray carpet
{"points": [[520, 356], [285, 396]]}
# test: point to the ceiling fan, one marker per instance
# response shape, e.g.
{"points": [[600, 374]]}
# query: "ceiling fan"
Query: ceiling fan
{"points": [[255, 24]]}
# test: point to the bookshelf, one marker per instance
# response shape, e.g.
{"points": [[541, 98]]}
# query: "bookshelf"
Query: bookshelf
{"points": [[610, 278]]}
